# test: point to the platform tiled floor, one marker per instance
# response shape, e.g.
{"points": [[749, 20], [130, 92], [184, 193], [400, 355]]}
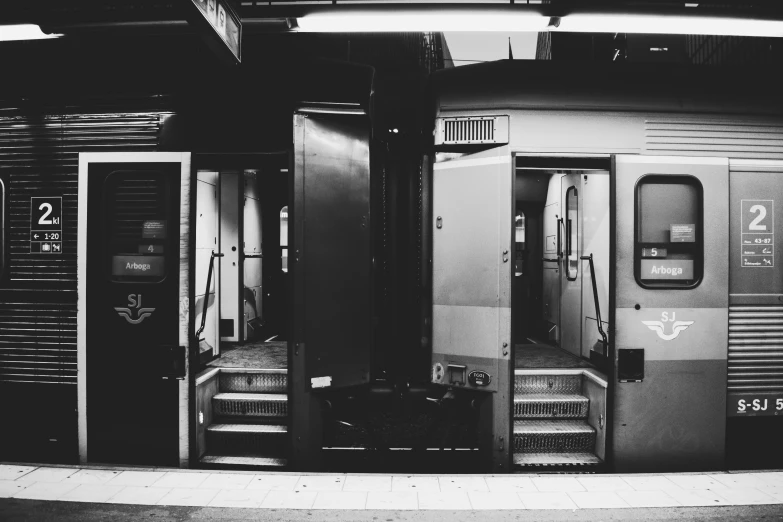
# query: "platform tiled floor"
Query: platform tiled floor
{"points": [[391, 492]]}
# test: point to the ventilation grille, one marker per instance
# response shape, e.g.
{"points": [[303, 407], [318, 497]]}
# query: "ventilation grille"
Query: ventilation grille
{"points": [[137, 198], [755, 349], [472, 130], [732, 139], [38, 342]]}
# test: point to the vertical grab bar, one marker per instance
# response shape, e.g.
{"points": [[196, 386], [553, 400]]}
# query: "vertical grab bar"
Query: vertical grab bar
{"points": [[206, 295], [605, 341]]}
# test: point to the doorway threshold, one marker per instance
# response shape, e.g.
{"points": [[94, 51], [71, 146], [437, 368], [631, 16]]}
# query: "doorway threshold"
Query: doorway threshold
{"points": [[540, 355], [254, 355]]}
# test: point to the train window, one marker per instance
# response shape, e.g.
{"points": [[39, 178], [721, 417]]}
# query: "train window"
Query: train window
{"points": [[136, 225], [519, 243], [572, 233], [669, 246], [284, 237], [519, 222]]}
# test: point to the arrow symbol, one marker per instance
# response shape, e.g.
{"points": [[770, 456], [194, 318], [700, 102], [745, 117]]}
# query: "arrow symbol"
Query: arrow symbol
{"points": [[35, 236]]}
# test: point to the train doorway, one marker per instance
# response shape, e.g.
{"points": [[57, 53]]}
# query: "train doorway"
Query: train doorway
{"points": [[560, 285], [515, 321], [241, 243], [561, 221], [241, 305]]}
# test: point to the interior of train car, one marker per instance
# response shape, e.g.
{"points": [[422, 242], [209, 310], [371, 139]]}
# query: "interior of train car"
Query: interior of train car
{"points": [[242, 256], [561, 217], [242, 306], [560, 286]]}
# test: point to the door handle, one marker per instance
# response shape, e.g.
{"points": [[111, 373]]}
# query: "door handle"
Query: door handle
{"points": [[505, 256], [439, 222]]}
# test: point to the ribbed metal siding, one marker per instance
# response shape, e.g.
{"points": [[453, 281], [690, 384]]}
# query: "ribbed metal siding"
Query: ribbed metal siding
{"points": [[755, 348], [39, 157], [714, 137]]}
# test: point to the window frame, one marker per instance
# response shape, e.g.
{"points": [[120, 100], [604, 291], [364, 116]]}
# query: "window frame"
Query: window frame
{"points": [[698, 259], [568, 234]]}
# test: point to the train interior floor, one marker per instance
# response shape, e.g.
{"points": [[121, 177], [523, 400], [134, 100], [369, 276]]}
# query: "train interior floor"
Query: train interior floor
{"points": [[270, 356], [539, 355], [273, 356]]}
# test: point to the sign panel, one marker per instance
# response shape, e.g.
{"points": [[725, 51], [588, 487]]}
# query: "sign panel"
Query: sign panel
{"points": [[144, 266], [154, 229], [654, 252], [755, 405], [46, 225], [685, 233], [479, 378], [757, 240], [220, 25], [667, 269]]}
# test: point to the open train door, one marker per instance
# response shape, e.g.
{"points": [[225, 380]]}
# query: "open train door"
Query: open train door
{"points": [[670, 244], [471, 279], [331, 267]]}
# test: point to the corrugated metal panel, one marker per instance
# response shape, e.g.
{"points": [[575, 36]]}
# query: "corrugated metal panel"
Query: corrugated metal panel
{"points": [[714, 137], [38, 342], [39, 157], [755, 348]]}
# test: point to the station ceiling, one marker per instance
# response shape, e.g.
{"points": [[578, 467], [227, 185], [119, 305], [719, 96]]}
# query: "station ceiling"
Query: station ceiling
{"points": [[276, 15]]}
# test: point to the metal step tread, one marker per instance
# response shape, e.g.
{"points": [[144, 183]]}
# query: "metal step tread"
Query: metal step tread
{"points": [[228, 460], [550, 406], [247, 428], [535, 427], [579, 458], [254, 397]]}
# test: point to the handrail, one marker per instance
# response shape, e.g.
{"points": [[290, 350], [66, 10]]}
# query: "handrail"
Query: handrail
{"points": [[559, 240], [597, 305], [206, 294]]}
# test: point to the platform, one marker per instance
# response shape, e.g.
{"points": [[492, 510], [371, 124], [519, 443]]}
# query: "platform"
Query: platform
{"points": [[175, 487]]}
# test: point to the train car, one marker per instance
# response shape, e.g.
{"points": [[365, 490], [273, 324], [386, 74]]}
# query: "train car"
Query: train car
{"points": [[605, 273]]}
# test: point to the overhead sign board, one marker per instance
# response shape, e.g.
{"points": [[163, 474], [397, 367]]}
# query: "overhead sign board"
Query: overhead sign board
{"points": [[219, 25]]}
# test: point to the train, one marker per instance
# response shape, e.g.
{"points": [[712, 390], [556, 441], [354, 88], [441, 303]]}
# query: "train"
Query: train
{"points": [[563, 267]]}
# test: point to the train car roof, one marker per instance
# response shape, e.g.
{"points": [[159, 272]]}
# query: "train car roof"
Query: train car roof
{"points": [[530, 84]]}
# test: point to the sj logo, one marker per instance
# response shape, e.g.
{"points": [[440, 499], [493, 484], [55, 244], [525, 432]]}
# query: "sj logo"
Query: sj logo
{"points": [[659, 326], [134, 303]]}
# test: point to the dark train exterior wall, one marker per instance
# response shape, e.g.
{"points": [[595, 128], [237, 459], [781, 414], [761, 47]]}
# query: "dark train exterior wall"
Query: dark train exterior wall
{"points": [[149, 93]]}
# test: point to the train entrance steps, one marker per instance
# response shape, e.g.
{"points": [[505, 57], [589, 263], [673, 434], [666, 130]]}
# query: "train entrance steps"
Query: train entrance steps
{"points": [[558, 418], [243, 417]]}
